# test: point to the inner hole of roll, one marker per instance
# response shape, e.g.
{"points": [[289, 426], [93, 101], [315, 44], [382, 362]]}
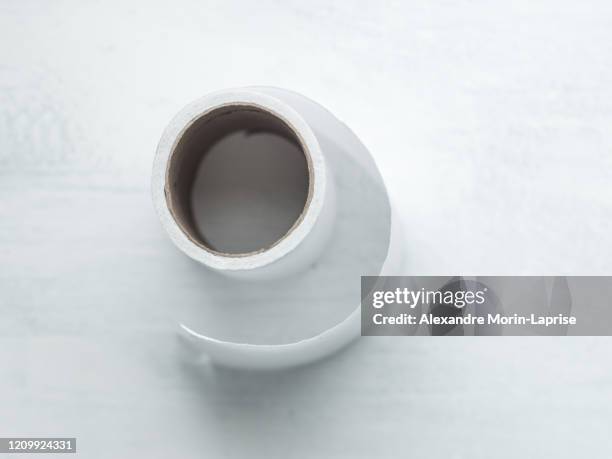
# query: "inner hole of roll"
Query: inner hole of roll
{"points": [[238, 180]]}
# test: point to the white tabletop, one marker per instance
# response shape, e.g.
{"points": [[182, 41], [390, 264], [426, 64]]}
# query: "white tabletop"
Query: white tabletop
{"points": [[491, 123]]}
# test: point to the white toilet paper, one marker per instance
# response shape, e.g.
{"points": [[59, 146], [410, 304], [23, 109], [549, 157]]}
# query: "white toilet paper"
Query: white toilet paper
{"points": [[345, 196]]}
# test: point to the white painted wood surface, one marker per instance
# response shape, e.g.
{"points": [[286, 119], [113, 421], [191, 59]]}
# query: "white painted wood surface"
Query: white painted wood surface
{"points": [[491, 123]]}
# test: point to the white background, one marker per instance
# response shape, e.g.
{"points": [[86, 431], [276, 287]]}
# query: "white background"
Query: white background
{"points": [[491, 123]]}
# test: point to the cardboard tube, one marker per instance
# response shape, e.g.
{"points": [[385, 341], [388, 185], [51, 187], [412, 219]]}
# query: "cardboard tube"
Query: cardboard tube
{"points": [[184, 144]]}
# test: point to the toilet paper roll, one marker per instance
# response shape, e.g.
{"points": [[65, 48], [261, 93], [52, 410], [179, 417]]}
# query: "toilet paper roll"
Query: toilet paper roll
{"points": [[331, 160]]}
